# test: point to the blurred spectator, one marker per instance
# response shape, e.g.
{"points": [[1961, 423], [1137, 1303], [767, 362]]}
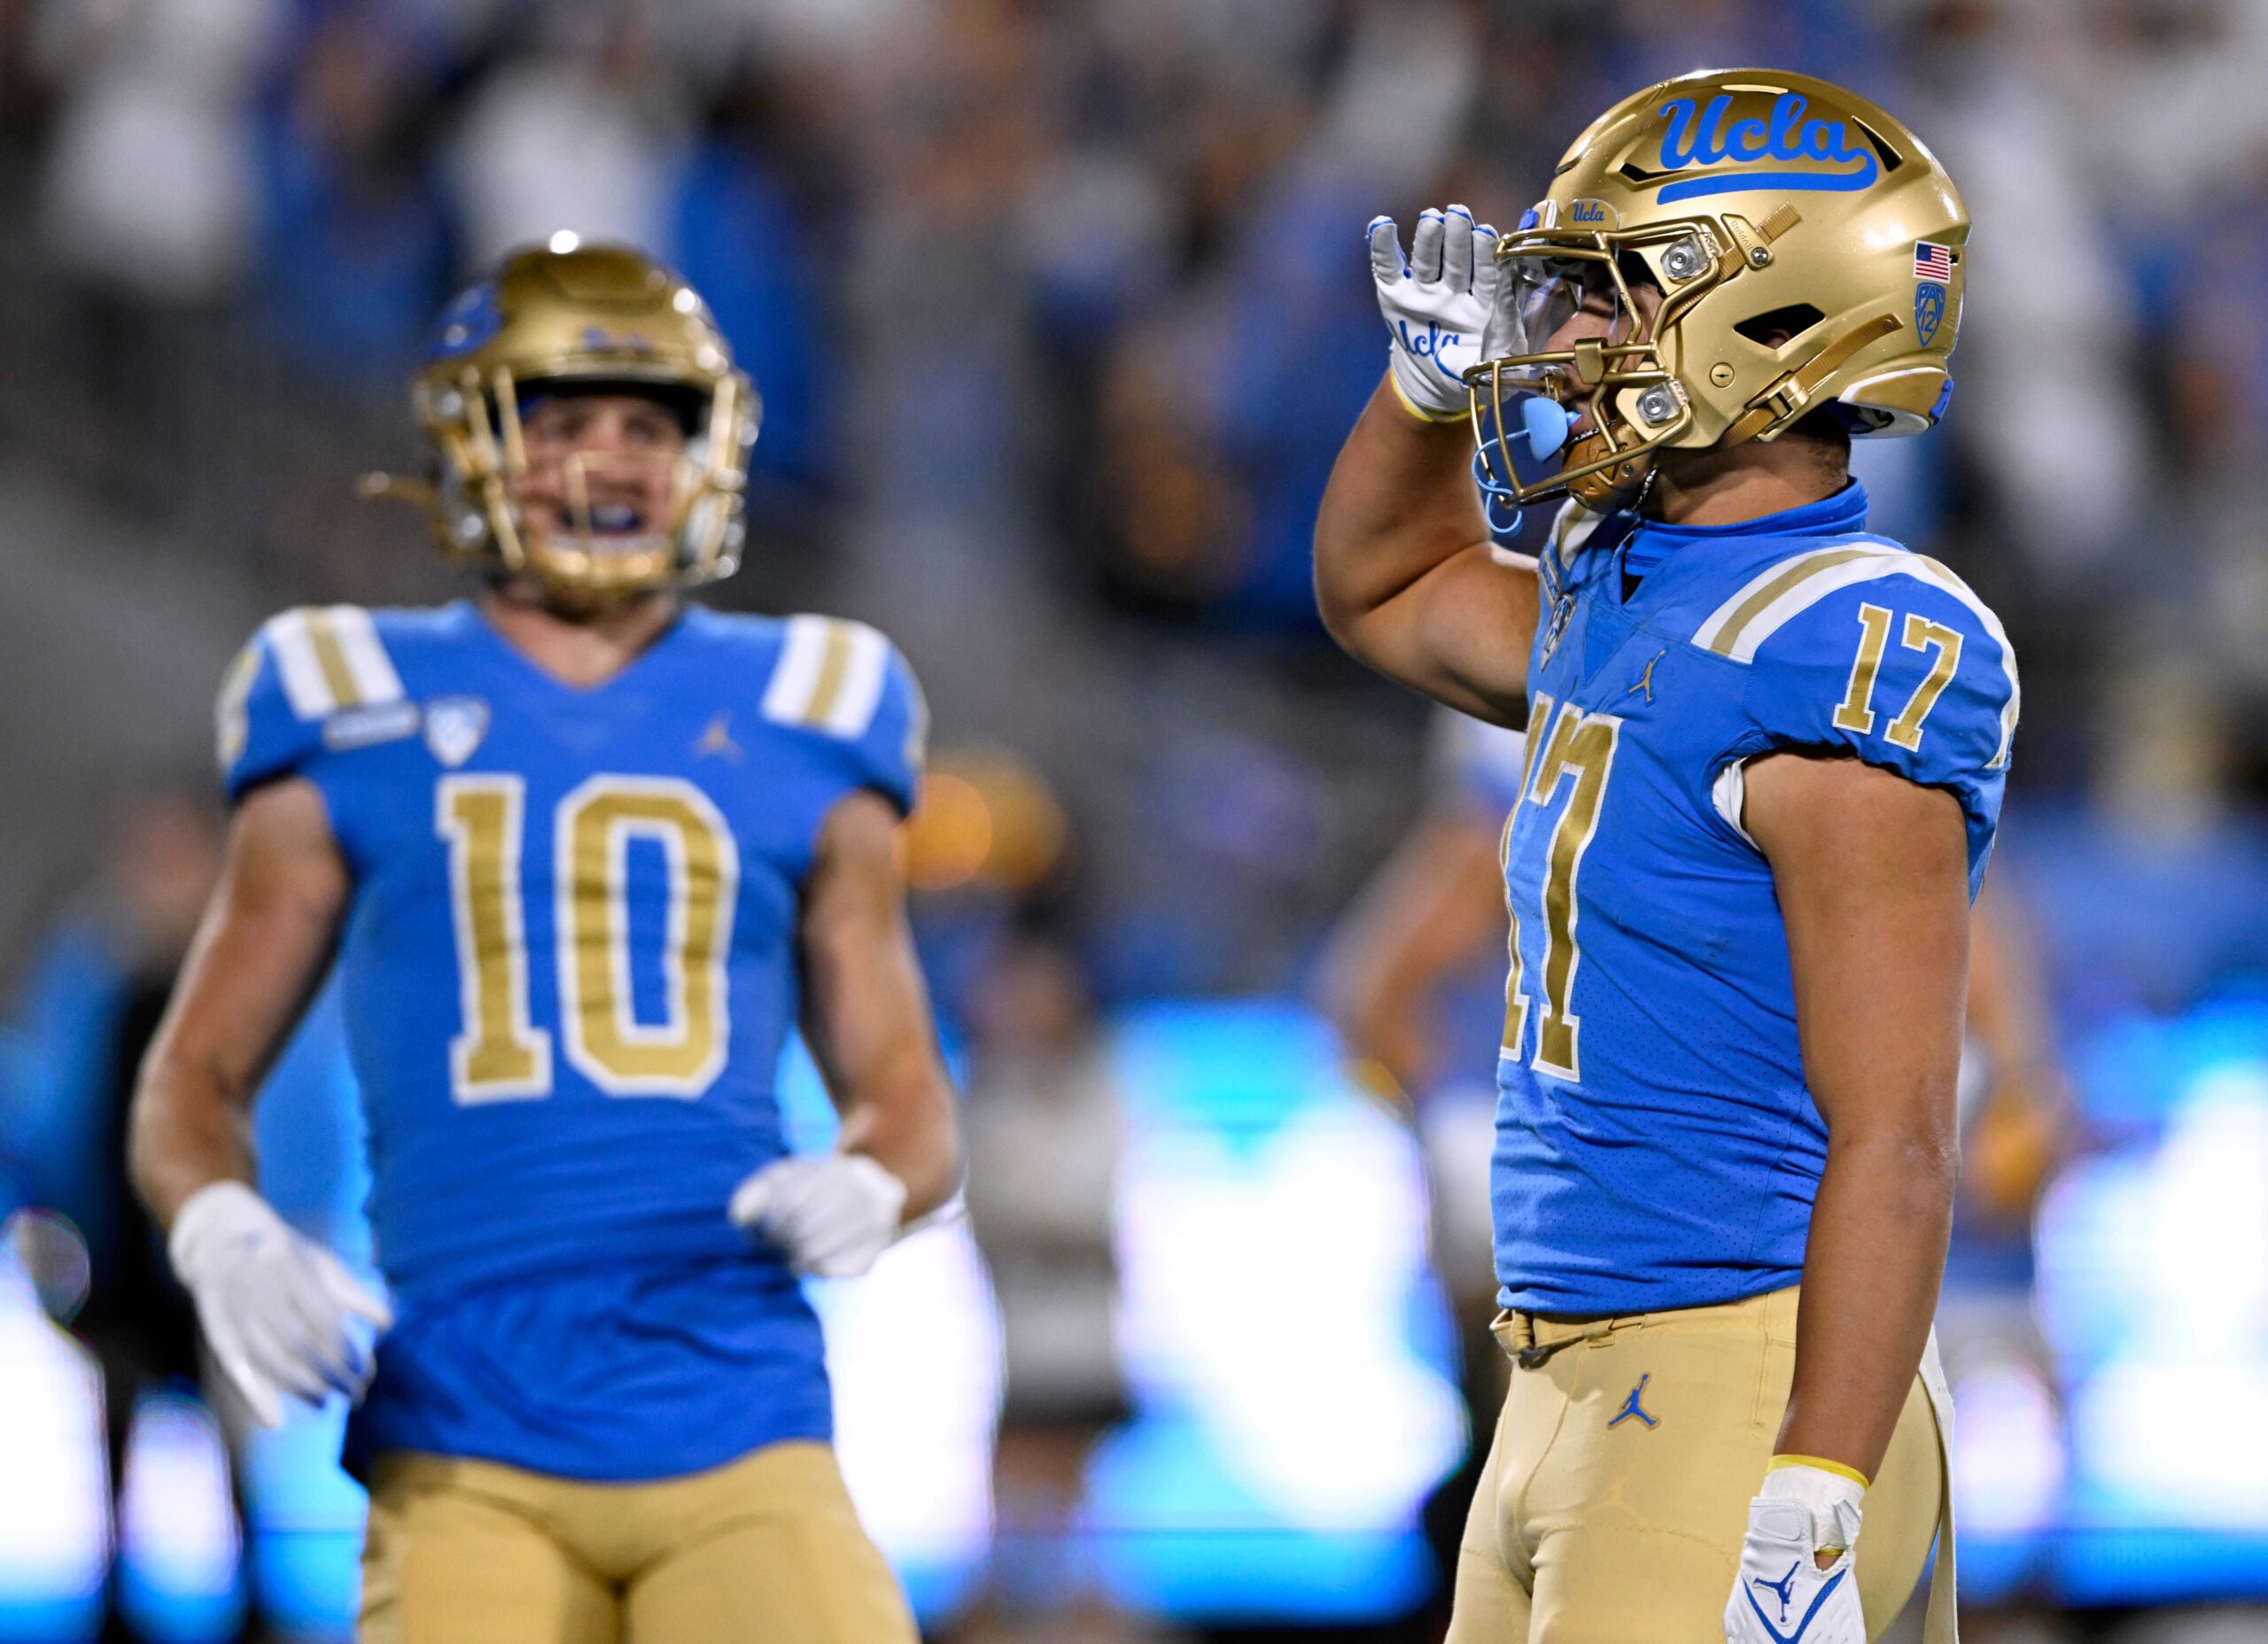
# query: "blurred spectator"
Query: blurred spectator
{"points": [[86, 1012], [584, 135], [149, 182], [1046, 1134], [744, 236], [2049, 401], [356, 251]]}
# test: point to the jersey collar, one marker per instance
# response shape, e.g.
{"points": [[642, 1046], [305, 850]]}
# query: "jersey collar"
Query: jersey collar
{"points": [[1840, 515], [1830, 516]]}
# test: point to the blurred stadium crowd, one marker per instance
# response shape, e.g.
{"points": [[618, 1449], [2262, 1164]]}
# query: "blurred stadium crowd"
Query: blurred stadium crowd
{"points": [[1060, 314]]}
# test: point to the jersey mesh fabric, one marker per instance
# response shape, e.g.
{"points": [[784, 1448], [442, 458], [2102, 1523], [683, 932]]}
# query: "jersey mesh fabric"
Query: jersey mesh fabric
{"points": [[584, 1208], [1673, 1163]]}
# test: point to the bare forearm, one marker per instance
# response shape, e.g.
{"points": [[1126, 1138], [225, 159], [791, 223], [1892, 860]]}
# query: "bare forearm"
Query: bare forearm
{"points": [[188, 1131], [1401, 501], [905, 1124], [260, 954], [1405, 579], [1871, 1275]]}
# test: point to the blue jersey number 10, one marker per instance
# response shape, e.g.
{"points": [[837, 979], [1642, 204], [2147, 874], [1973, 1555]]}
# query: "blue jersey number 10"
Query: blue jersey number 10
{"points": [[500, 1054]]}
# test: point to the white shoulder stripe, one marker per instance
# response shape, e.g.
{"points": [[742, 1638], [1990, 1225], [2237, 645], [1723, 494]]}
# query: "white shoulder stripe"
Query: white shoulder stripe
{"points": [[330, 657], [829, 676], [1768, 601], [294, 647]]}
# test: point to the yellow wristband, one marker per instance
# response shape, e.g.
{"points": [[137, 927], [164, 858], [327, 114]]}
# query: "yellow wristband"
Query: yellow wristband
{"points": [[1823, 1465], [1426, 417]]}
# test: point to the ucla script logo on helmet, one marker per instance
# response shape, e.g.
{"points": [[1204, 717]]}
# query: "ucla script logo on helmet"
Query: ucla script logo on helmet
{"points": [[1742, 154]]}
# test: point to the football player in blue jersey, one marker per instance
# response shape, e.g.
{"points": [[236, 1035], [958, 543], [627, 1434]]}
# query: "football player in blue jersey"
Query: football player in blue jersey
{"points": [[584, 853], [1764, 760]]}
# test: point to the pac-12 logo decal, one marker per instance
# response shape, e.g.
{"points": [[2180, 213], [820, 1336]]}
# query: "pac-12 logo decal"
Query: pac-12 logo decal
{"points": [[1755, 153], [1929, 310], [454, 727]]}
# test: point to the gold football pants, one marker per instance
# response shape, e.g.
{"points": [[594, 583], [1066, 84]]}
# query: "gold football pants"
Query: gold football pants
{"points": [[763, 1548], [1615, 1496]]}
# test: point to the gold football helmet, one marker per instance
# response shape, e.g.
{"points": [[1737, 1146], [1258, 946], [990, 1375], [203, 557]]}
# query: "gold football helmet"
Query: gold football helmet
{"points": [[569, 316], [1806, 251]]}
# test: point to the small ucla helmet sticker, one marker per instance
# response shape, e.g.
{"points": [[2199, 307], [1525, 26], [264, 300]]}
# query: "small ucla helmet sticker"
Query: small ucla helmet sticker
{"points": [[1929, 310], [469, 322], [454, 727]]}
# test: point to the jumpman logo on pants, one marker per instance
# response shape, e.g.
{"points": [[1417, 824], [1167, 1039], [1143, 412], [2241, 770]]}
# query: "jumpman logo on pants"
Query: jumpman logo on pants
{"points": [[1631, 1407]]}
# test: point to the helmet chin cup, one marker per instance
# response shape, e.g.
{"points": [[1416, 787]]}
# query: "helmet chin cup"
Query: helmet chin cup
{"points": [[1610, 488], [1545, 421]]}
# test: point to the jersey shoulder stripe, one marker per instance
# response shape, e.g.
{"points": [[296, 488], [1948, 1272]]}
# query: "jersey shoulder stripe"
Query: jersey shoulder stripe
{"points": [[1738, 628], [828, 677], [330, 658], [232, 712]]}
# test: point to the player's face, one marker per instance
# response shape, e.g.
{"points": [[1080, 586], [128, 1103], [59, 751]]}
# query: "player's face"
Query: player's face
{"points": [[1597, 311], [604, 463]]}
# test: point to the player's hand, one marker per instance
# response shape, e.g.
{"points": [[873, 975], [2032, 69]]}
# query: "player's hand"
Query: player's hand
{"points": [[1436, 302], [276, 1306], [830, 1213], [1783, 1594]]}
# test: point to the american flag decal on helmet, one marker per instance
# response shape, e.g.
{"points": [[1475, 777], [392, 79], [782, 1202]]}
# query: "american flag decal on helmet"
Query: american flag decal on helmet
{"points": [[1932, 261]]}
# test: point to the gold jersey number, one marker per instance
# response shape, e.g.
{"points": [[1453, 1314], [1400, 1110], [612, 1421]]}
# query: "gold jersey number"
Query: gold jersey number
{"points": [[501, 1055], [1855, 713], [1579, 750]]}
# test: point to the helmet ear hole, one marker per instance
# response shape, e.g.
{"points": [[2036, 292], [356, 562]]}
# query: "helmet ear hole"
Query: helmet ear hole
{"points": [[1776, 328]]}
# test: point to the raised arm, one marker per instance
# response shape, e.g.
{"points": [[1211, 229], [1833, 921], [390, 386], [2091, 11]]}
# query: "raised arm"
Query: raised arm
{"points": [[866, 1019], [1405, 579]]}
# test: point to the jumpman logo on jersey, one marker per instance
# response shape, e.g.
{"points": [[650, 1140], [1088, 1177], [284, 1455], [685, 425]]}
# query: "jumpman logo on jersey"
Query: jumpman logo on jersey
{"points": [[717, 740], [1646, 679], [1630, 1405]]}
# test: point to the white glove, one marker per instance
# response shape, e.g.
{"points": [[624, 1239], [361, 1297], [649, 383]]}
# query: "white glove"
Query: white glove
{"points": [[830, 1213], [276, 1306], [1436, 305], [1781, 1595]]}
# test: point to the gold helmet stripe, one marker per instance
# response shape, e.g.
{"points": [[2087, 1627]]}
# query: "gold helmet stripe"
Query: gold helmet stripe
{"points": [[1739, 627], [1787, 398]]}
